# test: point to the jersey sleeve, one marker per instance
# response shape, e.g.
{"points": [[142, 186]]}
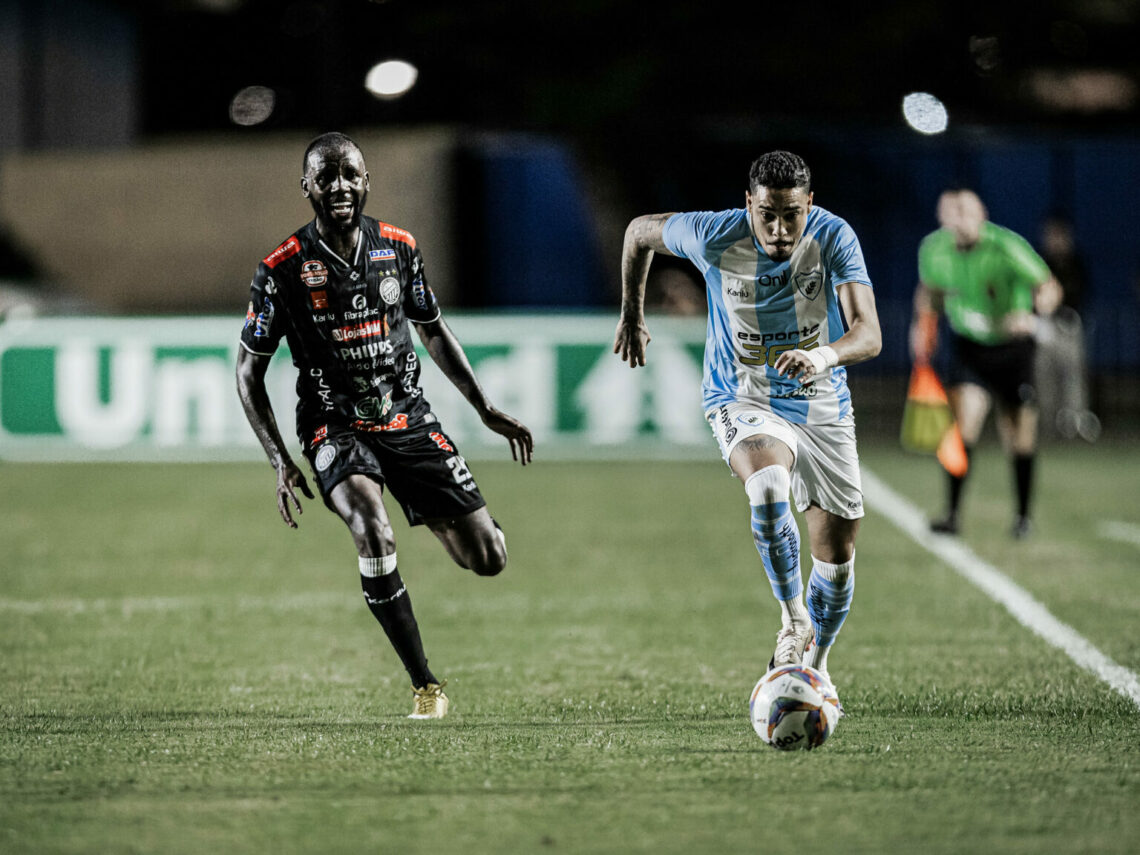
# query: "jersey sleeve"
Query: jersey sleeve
{"points": [[1029, 269], [687, 235], [265, 318], [846, 263], [420, 304]]}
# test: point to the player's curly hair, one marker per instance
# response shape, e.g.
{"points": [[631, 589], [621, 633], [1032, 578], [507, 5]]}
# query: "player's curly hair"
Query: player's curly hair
{"points": [[779, 170], [333, 139]]}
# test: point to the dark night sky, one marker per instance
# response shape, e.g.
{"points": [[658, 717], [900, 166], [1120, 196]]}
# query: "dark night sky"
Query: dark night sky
{"points": [[599, 67]]}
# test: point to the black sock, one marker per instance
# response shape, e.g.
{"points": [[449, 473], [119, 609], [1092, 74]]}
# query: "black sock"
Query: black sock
{"points": [[389, 602], [956, 484], [1023, 476]]}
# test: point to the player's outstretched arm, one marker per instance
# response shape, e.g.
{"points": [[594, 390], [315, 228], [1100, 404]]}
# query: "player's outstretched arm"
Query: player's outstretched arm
{"points": [[251, 368], [643, 237], [444, 349], [862, 341]]}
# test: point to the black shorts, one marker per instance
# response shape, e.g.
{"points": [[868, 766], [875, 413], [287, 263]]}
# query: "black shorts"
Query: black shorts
{"points": [[1006, 369], [422, 469]]}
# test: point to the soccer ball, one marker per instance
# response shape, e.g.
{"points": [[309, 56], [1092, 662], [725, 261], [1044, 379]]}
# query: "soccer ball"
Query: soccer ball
{"points": [[793, 707]]}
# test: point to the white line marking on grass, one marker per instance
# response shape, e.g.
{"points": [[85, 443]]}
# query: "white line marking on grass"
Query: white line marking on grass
{"points": [[1019, 602], [1122, 531]]}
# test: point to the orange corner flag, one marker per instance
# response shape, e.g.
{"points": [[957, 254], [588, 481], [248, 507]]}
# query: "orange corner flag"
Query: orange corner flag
{"points": [[952, 452]]}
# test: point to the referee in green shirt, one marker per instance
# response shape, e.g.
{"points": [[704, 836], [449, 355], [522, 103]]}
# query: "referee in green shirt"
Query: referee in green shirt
{"points": [[986, 280]]}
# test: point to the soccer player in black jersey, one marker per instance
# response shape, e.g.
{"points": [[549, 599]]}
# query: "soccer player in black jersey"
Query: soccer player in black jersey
{"points": [[341, 290]]}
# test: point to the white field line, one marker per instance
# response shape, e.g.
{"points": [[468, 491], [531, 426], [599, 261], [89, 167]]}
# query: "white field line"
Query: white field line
{"points": [[1019, 602], [1122, 531]]}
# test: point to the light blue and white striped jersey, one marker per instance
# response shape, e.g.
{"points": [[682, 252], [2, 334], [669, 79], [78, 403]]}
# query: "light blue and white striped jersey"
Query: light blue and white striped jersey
{"points": [[759, 308]]}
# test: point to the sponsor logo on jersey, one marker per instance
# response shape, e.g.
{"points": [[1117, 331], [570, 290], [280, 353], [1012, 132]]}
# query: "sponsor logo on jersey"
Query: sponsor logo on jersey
{"points": [[319, 436], [390, 290], [359, 301], [324, 392], [368, 329], [726, 422], [250, 316], [326, 454], [394, 233], [400, 422], [751, 419], [314, 273], [381, 254], [263, 320], [419, 293], [779, 279], [319, 299], [738, 289], [287, 250], [441, 440], [809, 283], [373, 408], [369, 350]]}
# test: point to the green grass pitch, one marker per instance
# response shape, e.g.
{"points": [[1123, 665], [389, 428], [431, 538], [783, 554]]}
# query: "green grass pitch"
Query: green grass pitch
{"points": [[180, 673]]}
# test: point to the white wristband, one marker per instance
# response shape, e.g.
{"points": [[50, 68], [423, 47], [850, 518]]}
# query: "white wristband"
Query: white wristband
{"points": [[822, 358]]}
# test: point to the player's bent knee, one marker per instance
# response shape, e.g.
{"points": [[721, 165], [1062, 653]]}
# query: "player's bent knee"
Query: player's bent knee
{"points": [[372, 536], [491, 560], [768, 486]]}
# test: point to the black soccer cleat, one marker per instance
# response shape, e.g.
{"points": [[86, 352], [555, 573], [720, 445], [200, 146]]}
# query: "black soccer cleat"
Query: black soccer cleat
{"points": [[947, 525]]}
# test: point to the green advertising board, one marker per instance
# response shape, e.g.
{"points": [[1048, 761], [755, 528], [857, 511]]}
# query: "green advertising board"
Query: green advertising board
{"points": [[163, 388]]}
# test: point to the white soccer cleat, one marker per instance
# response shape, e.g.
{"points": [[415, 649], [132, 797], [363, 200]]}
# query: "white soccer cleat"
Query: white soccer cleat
{"points": [[808, 648], [790, 644]]}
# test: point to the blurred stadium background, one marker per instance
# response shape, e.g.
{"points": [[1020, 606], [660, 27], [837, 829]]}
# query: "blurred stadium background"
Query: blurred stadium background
{"points": [[149, 156]]}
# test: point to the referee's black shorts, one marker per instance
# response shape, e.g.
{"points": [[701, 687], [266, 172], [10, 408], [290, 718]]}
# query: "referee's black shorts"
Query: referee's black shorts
{"points": [[1005, 370]]}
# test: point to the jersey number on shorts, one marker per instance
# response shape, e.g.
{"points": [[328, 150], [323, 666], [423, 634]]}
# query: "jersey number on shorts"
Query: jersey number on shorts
{"points": [[459, 470]]}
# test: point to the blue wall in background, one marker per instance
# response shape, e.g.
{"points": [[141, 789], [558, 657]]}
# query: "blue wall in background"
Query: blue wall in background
{"points": [[537, 242], [539, 247]]}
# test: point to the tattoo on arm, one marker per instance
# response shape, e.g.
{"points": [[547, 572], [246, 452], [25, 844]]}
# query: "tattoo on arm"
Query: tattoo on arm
{"points": [[643, 237]]}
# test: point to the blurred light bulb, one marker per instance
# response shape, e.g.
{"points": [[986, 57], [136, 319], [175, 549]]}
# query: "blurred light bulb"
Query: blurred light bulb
{"points": [[925, 113], [252, 105], [391, 79]]}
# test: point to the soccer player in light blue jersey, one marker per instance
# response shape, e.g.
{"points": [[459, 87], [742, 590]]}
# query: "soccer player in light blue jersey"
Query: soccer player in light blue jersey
{"points": [[790, 303]]}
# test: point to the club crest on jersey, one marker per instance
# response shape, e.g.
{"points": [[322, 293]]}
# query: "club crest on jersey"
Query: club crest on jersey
{"points": [[809, 284], [319, 299], [390, 290], [381, 254], [326, 454], [314, 273]]}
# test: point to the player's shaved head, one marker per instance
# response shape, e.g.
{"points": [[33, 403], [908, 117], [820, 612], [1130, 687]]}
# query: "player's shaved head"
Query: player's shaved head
{"points": [[779, 170], [325, 143]]}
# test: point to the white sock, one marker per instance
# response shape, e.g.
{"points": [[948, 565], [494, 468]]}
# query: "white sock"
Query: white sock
{"points": [[794, 613], [373, 567]]}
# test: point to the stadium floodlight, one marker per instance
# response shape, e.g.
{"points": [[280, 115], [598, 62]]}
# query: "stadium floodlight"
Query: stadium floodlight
{"points": [[252, 105], [925, 113], [391, 79]]}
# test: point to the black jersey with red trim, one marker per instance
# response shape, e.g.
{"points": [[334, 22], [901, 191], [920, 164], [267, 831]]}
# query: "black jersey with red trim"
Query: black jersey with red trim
{"points": [[346, 322]]}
